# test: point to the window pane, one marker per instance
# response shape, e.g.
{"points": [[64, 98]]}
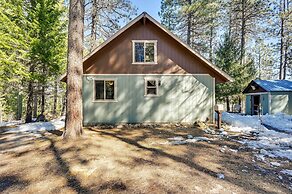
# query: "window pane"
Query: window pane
{"points": [[151, 83], [110, 90], [152, 91], [99, 90], [149, 52], [139, 52]]}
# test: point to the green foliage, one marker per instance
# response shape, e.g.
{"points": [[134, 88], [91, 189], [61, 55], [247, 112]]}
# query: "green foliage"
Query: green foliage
{"points": [[32, 47], [194, 21], [228, 59], [169, 14], [48, 45], [13, 52]]}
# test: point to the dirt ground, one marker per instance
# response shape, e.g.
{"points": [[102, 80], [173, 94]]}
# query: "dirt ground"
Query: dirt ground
{"points": [[132, 160]]}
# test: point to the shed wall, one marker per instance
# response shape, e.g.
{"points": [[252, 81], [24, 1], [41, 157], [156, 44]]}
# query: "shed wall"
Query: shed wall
{"points": [[264, 98], [265, 103], [281, 102], [182, 98], [248, 104]]}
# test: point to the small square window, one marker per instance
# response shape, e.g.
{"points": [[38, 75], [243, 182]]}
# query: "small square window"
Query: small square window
{"points": [[104, 90], [151, 87]]}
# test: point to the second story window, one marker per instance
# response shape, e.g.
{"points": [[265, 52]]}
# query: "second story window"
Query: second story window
{"points": [[144, 52]]}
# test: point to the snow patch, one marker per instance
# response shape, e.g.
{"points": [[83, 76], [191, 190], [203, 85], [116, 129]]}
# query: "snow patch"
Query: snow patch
{"points": [[270, 142], [287, 172], [179, 140], [40, 126]]}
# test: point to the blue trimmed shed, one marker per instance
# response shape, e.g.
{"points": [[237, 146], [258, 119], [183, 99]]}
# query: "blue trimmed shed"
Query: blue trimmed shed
{"points": [[268, 97]]}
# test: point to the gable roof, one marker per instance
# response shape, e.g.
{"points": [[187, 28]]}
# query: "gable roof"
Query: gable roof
{"points": [[272, 85], [275, 85], [144, 16]]}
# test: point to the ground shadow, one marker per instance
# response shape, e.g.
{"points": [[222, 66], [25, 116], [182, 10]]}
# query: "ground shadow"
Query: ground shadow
{"points": [[183, 160]]}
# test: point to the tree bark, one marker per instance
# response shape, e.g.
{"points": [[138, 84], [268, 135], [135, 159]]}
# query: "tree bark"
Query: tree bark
{"points": [[1, 113], [19, 106], [28, 117], [35, 106], [73, 128], [282, 10], [43, 100], [93, 24], [227, 104], [211, 44], [189, 27], [64, 105], [243, 25], [55, 98]]}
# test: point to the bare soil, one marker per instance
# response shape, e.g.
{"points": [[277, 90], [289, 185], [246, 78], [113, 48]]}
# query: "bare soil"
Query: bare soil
{"points": [[132, 160]]}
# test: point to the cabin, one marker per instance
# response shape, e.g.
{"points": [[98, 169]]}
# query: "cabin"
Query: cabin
{"points": [[268, 97], [145, 74]]}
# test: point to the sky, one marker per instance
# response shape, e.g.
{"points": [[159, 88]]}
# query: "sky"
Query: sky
{"points": [[152, 7]]}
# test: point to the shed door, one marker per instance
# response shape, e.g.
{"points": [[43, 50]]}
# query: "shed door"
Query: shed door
{"points": [[255, 104]]}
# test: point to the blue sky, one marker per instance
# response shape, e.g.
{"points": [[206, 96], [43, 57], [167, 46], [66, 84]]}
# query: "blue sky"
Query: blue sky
{"points": [[152, 7]]}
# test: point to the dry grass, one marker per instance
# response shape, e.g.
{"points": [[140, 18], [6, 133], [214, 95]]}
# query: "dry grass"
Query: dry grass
{"points": [[129, 160]]}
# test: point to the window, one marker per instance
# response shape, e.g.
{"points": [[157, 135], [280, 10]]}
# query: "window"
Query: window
{"points": [[151, 87], [144, 51], [104, 90]]}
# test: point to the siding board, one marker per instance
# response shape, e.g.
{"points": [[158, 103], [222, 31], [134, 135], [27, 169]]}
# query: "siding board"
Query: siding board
{"points": [[173, 58], [182, 98]]}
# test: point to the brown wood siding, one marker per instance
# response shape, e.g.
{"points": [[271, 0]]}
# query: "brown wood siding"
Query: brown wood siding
{"points": [[173, 58]]}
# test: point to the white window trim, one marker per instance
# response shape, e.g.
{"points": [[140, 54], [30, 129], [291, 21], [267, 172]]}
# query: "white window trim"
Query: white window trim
{"points": [[115, 90], [155, 52], [157, 87]]}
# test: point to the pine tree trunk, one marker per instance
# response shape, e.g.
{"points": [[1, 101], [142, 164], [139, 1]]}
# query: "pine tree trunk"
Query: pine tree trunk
{"points": [[285, 62], [43, 100], [1, 113], [227, 104], [55, 98], [189, 27], [35, 106], [93, 24], [286, 44], [211, 44], [282, 40], [19, 106], [28, 117], [63, 105], [243, 25], [74, 118]]}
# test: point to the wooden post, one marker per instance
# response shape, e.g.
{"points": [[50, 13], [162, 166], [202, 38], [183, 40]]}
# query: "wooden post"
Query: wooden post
{"points": [[219, 108], [219, 119]]}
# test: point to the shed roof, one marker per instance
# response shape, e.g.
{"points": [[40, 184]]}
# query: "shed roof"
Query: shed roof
{"points": [[273, 85]]}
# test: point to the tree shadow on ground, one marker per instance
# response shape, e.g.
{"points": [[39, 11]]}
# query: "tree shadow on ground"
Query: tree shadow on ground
{"points": [[252, 187], [72, 180], [11, 181]]}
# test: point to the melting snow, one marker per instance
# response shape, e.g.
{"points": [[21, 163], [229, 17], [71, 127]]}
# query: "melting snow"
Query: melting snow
{"points": [[179, 140], [270, 142], [286, 171], [40, 126]]}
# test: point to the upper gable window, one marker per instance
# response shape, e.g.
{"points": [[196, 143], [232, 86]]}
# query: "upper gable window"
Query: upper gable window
{"points": [[144, 51]]}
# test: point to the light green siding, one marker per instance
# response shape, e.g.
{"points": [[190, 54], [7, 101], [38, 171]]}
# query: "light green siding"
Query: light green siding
{"points": [[281, 102], [265, 104], [247, 104], [182, 98]]}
